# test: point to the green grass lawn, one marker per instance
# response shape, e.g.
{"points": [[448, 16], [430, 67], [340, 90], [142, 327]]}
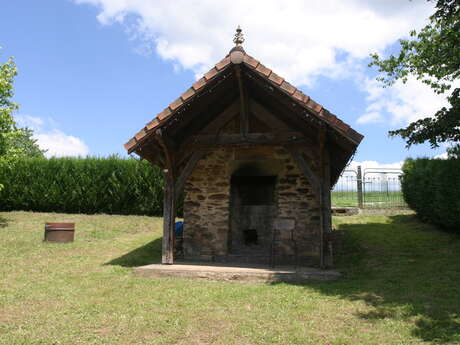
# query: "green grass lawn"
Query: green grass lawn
{"points": [[371, 199], [400, 286]]}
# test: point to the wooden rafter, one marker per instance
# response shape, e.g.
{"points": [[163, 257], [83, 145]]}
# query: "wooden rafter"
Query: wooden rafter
{"points": [[266, 116], [222, 119], [305, 167], [211, 140], [212, 128], [244, 115]]}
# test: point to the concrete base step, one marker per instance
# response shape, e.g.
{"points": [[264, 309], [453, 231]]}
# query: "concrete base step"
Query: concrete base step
{"points": [[235, 272]]}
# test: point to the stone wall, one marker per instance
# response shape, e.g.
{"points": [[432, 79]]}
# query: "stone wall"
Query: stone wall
{"points": [[206, 207], [207, 213], [298, 219]]}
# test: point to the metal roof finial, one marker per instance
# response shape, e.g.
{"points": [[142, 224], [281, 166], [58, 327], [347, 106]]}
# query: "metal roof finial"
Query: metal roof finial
{"points": [[239, 37]]}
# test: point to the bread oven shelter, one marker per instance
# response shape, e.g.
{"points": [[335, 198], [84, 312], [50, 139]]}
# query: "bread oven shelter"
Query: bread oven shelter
{"points": [[255, 158]]}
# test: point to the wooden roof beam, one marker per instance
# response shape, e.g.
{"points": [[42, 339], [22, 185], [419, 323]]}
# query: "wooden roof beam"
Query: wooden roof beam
{"points": [[266, 116], [211, 140], [244, 114]]}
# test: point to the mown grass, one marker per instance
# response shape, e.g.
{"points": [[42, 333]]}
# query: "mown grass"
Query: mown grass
{"points": [[371, 199], [400, 286]]}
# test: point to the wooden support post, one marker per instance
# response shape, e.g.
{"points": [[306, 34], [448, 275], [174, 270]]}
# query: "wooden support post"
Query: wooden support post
{"points": [[244, 116], [327, 193], [325, 206], [359, 186], [169, 217], [169, 204]]}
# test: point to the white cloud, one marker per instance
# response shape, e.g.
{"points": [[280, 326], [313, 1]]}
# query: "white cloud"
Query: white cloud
{"points": [[34, 123], [441, 156], [401, 103], [371, 117], [56, 142], [299, 39], [374, 165], [60, 144]]}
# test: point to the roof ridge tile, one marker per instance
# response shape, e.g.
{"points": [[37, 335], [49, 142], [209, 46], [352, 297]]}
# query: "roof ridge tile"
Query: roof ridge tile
{"points": [[199, 84], [223, 63], [290, 89], [176, 104], [187, 94], [276, 78], [139, 135], [250, 61], [152, 124], [164, 114], [263, 70], [210, 74]]}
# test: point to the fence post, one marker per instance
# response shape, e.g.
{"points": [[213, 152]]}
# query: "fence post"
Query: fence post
{"points": [[359, 186]]}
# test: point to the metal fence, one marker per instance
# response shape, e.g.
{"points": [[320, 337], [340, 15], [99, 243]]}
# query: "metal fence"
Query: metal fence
{"points": [[369, 188]]}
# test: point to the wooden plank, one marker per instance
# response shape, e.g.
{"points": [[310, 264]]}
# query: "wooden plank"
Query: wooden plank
{"points": [[189, 166], [308, 172], [323, 192], [205, 107], [266, 116], [169, 203], [327, 192], [281, 112], [244, 115], [169, 218], [222, 119], [206, 140], [212, 128]]}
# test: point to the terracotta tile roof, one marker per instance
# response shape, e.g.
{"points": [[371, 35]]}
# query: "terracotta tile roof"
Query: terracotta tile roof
{"points": [[277, 81]]}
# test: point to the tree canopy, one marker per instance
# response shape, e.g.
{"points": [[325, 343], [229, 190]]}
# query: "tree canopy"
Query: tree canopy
{"points": [[7, 73], [432, 55], [14, 141]]}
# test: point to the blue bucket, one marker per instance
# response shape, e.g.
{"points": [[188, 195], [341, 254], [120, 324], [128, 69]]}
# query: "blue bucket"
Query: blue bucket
{"points": [[179, 229]]}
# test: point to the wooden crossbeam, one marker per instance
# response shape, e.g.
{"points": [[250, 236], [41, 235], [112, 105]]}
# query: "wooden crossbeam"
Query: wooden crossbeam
{"points": [[210, 140], [222, 119], [305, 167], [189, 166], [266, 116]]}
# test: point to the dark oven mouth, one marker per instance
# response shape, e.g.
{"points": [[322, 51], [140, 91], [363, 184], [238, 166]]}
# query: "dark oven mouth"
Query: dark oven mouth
{"points": [[250, 237], [254, 190]]}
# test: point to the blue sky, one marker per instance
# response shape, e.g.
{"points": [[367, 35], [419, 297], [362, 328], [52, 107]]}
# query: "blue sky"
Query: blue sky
{"points": [[93, 72]]}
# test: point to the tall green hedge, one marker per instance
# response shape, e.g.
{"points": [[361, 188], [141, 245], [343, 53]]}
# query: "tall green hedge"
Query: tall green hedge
{"points": [[82, 185], [431, 187]]}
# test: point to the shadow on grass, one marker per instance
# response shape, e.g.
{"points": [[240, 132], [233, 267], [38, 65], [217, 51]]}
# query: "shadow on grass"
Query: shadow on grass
{"points": [[149, 253], [403, 270], [3, 222]]}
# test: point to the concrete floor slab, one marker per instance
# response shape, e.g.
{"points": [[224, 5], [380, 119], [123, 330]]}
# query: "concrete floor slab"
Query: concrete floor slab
{"points": [[235, 272]]}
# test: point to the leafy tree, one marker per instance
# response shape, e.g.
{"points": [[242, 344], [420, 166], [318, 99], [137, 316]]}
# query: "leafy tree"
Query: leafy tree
{"points": [[22, 144], [7, 125], [432, 55], [14, 141]]}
